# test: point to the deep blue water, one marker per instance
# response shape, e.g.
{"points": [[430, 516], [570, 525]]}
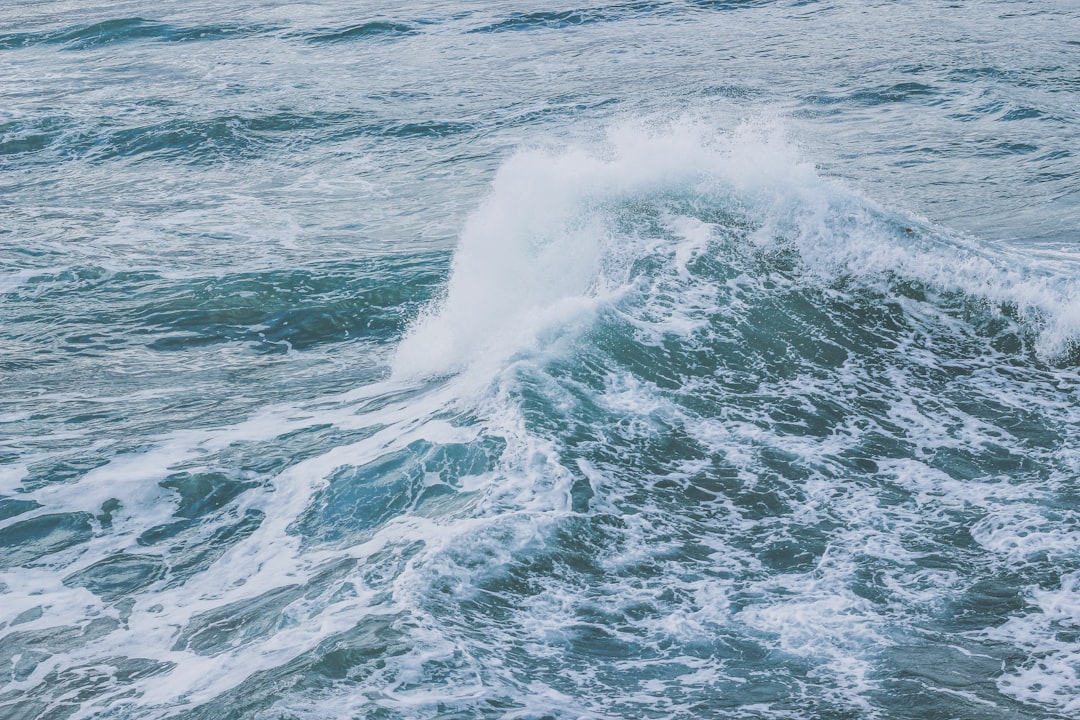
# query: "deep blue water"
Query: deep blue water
{"points": [[675, 359]]}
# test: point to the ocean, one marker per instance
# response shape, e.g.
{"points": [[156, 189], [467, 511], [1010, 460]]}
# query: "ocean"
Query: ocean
{"points": [[657, 359]]}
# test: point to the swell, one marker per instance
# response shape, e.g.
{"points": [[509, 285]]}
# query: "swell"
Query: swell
{"points": [[125, 30], [525, 21], [562, 232], [361, 31], [198, 140], [130, 30], [536, 20], [92, 311]]}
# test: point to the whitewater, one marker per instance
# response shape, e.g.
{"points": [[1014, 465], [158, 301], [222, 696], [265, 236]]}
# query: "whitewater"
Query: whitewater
{"points": [[672, 359]]}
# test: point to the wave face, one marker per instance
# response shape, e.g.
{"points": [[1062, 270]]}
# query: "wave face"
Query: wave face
{"points": [[496, 361]]}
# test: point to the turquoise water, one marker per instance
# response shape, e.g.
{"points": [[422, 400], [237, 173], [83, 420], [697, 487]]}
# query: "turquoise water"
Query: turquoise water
{"points": [[671, 359]]}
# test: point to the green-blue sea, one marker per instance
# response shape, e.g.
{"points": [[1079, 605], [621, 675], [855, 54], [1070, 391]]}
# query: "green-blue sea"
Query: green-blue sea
{"points": [[521, 360]]}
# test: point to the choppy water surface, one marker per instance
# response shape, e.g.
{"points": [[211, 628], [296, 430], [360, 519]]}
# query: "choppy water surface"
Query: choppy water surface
{"points": [[659, 359]]}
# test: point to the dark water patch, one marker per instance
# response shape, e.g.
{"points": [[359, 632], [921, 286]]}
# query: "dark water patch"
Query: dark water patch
{"points": [[938, 678], [10, 507], [988, 602], [357, 500], [27, 143], [1059, 154], [343, 660], [26, 616], [61, 470], [990, 462], [732, 91], [195, 552], [731, 4], [545, 19], [108, 507], [917, 68], [425, 129], [237, 623], [182, 139], [164, 532], [872, 97], [1049, 78], [28, 540], [75, 280], [18, 137], [204, 493], [362, 31], [88, 36], [555, 108], [1006, 328], [970, 74], [110, 32], [989, 108], [794, 549], [1010, 148], [909, 155], [1022, 113], [561, 19], [118, 575]]}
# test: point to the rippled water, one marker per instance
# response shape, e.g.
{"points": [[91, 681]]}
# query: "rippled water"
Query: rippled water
{"points": [[675, 359]]}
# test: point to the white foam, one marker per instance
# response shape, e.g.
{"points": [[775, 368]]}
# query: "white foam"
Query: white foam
{"points": [[541, 249], [1050, 675], [1018, 533]]}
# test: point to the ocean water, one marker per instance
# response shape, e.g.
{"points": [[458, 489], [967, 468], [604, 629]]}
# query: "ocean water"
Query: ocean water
{"points": [[489, 359]]}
